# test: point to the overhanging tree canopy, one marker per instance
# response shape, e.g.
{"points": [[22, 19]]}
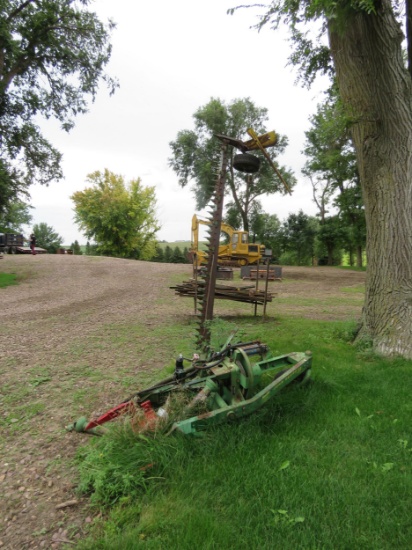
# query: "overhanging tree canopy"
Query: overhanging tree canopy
{"points": [[52, 58], [366, 52], [16, 216]]}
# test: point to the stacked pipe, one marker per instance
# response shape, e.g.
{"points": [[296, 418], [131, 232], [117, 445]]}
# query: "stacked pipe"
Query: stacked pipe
{"points": [[193, 288]]}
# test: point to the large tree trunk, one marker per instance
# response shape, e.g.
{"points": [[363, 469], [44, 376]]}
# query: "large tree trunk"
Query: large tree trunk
{"points": [[376, 89], [330, 250], [359, 256]]}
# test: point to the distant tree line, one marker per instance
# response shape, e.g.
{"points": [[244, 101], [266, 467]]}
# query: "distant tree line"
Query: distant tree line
{"points": [[308, 240], [300, 239], [171, 255], [165, 254], [76, 248]]}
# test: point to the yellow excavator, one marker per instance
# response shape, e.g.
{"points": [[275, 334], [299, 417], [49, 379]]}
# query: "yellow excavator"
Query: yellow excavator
{"points": [[237, 252]]}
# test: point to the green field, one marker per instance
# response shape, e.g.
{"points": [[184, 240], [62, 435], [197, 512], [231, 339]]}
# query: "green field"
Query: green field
{"points": [[326, 466]]}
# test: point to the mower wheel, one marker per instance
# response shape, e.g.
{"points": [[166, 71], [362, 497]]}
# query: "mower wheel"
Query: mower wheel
{"points": [[245, 162], [242, 361], [303, 378], [80, 424]]}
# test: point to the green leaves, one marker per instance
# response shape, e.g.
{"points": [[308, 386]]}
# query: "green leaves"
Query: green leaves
{"points": [[46, 237], [196, 155], [284, 465], [120, 217], [53, 54], [367, 6], [282, 517]]}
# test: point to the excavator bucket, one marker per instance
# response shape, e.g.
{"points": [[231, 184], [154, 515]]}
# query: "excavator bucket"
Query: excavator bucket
{"points": [[265, 140]]}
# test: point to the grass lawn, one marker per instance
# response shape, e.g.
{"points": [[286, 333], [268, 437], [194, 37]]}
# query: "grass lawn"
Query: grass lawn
{"points": [[7, 279], [324, 466]]}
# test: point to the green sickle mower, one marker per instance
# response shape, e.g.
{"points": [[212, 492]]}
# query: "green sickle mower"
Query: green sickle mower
{"points": [[223, 385], [226, 386]]}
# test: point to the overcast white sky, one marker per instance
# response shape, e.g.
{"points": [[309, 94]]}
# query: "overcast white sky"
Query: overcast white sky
{"points": [[170, 59]]}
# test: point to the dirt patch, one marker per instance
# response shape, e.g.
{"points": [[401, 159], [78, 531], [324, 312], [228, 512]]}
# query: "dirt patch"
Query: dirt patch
{"points": [[69, 338]]}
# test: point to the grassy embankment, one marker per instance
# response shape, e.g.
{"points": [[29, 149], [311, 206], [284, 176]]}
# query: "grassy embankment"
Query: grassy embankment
{"points": [[326, 466]]}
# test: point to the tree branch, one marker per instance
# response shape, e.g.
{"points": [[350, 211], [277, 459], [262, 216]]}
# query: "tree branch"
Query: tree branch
{"points": [[20, 8]]}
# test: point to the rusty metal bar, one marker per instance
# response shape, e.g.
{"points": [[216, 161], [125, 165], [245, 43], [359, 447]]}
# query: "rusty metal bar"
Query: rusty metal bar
{"points": [[209, 296], [266, 288], [257, 284]]}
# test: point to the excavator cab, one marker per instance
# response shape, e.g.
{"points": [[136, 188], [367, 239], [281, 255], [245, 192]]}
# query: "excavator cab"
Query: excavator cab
{"points": [[240, 241]]}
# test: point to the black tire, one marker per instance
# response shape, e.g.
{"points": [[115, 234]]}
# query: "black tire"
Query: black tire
{"points": [[246, 163]]}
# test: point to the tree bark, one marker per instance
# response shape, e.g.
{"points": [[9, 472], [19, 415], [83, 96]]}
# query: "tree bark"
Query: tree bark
{"points": [[330, 250], [376, 89], [408, 27], [359, 252]]}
